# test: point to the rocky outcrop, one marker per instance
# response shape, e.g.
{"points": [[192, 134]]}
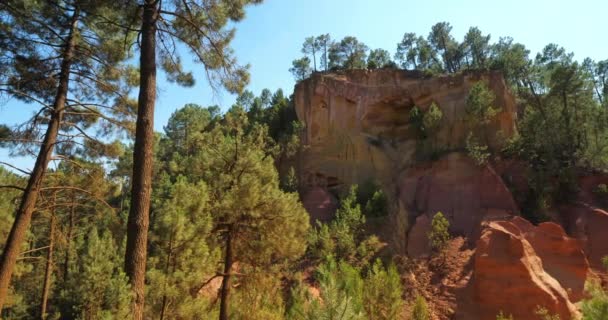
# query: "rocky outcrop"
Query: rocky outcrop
{"points": [[519, 267], [464, 192], [589, 224], [358, 126]]}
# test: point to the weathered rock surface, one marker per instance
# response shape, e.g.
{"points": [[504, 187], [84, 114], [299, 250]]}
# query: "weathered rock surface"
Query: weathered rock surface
{"points": [[587, 217], [518, 267], [319, 203], [464, 192], [358, 127]]}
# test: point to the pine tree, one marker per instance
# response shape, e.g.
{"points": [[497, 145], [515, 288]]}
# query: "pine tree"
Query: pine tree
{"points": [[420, 310], [439, 234], [101, 290], [255, 222], [200, 26], [180, 256], [382, 295], [55, 47]]}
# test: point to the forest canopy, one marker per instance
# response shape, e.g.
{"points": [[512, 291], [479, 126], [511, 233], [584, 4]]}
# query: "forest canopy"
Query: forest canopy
{"points": [[204, 220]]}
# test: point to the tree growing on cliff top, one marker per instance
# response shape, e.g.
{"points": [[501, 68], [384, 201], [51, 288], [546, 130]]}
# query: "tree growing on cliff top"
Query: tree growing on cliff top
{"points": [[310, 47], [379, 58], [349, 53], [300, 69]]}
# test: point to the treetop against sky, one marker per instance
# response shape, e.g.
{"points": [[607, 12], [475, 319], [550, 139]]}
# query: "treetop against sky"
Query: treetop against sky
{"points": [[271, 36]]}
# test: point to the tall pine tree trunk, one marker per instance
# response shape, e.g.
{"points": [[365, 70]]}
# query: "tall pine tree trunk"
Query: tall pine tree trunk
{"points": [[139, 219], [49, 265], [23, 215], [225, 290]]}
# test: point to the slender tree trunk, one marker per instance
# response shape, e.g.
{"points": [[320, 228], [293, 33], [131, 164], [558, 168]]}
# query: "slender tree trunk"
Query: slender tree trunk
{"points": [[225, 290], [139, 214], [49, 266], [68, 240], [23, 216]]}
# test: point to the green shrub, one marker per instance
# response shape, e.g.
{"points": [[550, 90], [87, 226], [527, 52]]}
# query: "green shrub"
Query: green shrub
{"points": [[544, 314], [502, 316], [420, 310], [439, 234], [477, 151], [344, 237], [382, 294], [596, 306]]}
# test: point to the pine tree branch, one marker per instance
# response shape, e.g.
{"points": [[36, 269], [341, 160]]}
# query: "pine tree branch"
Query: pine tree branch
{"points": [[12, 187]]}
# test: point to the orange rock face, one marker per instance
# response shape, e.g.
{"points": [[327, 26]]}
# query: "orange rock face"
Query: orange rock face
{"points": [[358, 122], [464, 192], [519, 267]]}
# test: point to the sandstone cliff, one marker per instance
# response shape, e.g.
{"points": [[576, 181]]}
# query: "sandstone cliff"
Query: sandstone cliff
{"points": [[357, 129]]}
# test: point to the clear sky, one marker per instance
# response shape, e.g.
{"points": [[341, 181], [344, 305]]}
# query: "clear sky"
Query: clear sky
{"points": [[271, 36]]}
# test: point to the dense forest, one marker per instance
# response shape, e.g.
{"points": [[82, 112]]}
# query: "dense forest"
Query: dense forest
{"points": [[204, 219]]}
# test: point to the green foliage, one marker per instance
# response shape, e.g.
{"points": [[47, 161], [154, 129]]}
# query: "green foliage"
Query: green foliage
{"points": [[260, 297], [345, 294], [479, 104], [420, 311], [439, 234], [479, 152], [431, 120], [180, 256], [544, 314], [476, 48], [415, 117], [446, 46], [289, 182], [226, 186], [349, 53], [377, 205], [300, 68], [427, 125], [344, 237], [341, 288], [379, 58], [596, 306], [98, 289], [383, 290], [372, 199], [502, 316]]}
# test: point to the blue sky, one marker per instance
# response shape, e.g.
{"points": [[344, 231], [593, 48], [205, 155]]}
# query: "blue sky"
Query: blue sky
{"points": [[271, 36]]}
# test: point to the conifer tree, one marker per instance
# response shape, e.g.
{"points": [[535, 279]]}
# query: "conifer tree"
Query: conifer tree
{"points": [[201, 27], [61, 56]]}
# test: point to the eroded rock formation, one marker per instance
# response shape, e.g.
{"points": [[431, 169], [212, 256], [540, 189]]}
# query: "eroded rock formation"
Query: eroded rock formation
{"points": [[358, 129], [358, 124], [519, 267], [464, 192]]}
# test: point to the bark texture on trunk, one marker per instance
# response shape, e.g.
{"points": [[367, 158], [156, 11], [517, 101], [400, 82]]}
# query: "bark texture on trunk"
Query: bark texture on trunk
{"points": [[225, 291], [139, 214], [23, 216], [49, 267]]}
